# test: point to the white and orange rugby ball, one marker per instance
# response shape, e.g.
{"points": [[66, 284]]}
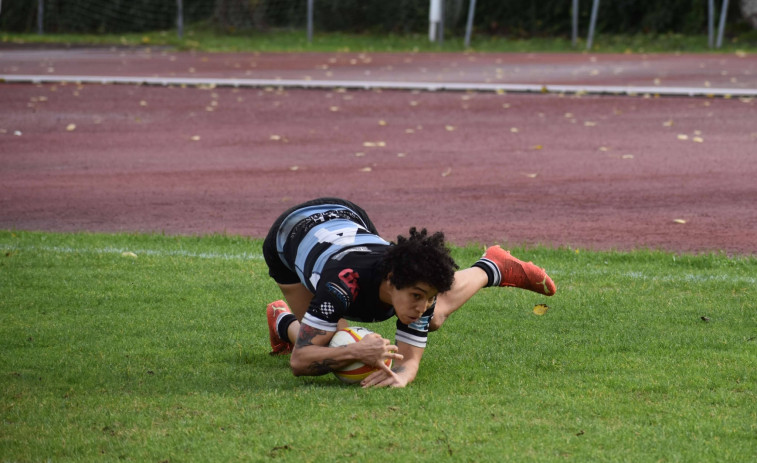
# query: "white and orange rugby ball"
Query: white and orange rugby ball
{"points": [[357, 371]]}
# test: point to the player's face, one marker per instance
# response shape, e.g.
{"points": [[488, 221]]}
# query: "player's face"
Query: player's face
{"points": [[410, 302]]}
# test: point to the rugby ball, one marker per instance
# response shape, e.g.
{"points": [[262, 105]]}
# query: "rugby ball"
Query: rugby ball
{"points": [[357, 371]]}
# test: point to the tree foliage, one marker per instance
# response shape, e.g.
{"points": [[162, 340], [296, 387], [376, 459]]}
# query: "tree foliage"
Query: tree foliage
{"points": [[515, 18]]}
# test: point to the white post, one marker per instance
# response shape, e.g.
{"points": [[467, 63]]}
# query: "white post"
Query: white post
{"points": [[310, 21], [574, 38], [434, 20], [721, 29], [469, 25], [180, 18], [593, 24]]}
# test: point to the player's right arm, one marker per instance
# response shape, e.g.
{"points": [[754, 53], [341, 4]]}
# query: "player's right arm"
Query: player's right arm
{"points": [[312, 356]]}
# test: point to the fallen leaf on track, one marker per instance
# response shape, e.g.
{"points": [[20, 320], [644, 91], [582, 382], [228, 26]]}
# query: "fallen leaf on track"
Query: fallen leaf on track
{"points": [[681, 221], [71, 127]]}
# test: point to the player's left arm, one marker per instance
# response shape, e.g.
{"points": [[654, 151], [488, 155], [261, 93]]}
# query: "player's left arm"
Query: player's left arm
{"points": [[404, 370]]}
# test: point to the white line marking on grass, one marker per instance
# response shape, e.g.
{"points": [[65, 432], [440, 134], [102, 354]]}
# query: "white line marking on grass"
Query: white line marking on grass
{"points": [[365, 85], [638, 276], [138, 252]]}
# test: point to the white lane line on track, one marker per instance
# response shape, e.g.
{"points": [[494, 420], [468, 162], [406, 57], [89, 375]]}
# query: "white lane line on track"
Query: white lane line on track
{"points": [[366, 85], [138, 252], [638, 276]]}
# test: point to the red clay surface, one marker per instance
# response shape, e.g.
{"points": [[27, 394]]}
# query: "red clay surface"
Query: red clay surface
{"points": [[599, 172]]}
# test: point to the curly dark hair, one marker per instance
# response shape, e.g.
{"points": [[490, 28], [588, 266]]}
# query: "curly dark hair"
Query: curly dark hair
{"points": [[419, 258]]}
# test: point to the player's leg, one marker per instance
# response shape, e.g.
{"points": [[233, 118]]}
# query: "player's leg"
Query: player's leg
{"points": [[496, 267], [278, 313], [298, 297]]}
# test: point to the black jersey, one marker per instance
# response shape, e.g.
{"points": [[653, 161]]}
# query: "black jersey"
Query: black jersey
{"points": [[336, 257]]}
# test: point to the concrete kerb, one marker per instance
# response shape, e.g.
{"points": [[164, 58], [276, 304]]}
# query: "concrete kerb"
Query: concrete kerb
{"points": [[385, 85]]}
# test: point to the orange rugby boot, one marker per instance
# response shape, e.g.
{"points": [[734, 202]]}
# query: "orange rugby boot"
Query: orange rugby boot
{"points": [[514, 272], [273, 310]]}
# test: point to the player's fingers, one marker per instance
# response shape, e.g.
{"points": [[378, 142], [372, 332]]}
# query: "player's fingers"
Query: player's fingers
{"points": [[374, 378], [379, 381], [384, 367]]}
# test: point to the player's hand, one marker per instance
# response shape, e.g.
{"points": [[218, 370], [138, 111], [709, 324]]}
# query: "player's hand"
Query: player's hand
{"points": [[384, 378], [374, 350]]}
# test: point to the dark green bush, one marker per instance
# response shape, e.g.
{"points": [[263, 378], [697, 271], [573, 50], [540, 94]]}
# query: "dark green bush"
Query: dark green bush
{"points": [[514, 18]]}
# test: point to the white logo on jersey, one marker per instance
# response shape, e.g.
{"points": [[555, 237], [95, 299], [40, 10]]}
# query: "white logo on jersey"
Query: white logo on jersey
{"points": [[327, 308], [341, 236]]}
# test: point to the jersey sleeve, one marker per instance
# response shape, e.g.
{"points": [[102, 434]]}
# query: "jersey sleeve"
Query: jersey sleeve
{"points": [[333, 297], [415, 333]]}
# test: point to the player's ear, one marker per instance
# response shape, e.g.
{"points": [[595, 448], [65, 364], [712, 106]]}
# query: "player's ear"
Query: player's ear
{"points": [[389, 278]]}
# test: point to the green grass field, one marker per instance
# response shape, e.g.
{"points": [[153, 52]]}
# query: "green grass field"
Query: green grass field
{"points": [[203, 38], [163, 357]]}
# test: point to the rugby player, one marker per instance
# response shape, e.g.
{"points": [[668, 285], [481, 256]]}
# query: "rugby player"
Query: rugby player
{"points": [[332, 266]]}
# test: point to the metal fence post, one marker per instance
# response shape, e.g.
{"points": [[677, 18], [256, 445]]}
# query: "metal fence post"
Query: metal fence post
{"points": [[441, 23], [711, 23], [469, 25], [593, 24], [721, 29], [180, 18], [574, 36], [40, 17], [310, 21]]}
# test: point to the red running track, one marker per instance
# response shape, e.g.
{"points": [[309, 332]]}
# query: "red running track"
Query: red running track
{"points": [[599, 172]]}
